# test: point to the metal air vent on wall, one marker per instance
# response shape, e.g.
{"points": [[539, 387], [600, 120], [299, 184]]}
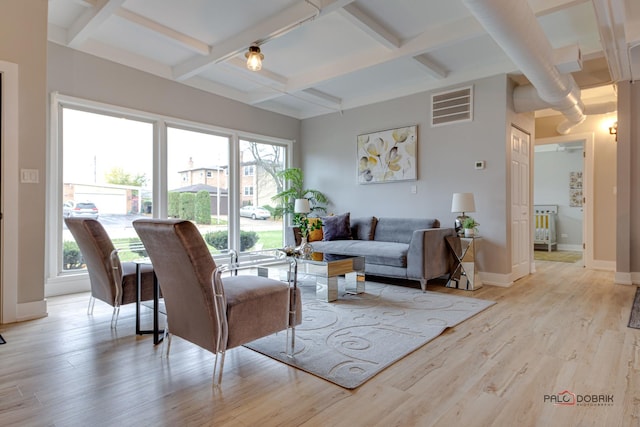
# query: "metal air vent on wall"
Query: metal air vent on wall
{"points": [[452, 107]]}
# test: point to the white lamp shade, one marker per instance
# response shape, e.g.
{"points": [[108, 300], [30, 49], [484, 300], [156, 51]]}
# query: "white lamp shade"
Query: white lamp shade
{"points": [[463, 202], [302, 206]]}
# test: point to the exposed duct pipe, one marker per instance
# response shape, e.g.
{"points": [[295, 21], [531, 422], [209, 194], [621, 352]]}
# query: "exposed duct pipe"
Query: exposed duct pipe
{"points": [[526, 98], [515, 28]]}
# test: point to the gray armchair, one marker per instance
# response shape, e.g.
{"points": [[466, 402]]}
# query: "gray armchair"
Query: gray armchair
{"points": [[214, 312], [112, 281]]}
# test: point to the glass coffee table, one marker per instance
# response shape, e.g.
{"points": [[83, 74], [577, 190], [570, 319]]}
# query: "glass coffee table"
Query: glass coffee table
{"points": [[324, 268]]}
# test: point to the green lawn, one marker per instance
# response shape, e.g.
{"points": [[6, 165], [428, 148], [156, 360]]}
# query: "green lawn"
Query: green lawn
{"points": [[270, 239]]}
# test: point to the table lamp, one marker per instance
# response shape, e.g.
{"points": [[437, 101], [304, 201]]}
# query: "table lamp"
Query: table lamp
{"points": [[462, 202], [302, 206]]}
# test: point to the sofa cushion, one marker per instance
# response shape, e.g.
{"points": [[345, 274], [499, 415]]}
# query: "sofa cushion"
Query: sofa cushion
{"points": [[383, 253], [336, 227], [363, 228], [401, 230]]}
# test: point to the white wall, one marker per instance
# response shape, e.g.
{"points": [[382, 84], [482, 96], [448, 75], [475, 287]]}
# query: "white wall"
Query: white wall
{"points": [[446, 156]]}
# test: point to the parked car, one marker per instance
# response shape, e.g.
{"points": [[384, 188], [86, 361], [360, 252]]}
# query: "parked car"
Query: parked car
{"points": [[80, 209], [67, 207], [254, 212]]}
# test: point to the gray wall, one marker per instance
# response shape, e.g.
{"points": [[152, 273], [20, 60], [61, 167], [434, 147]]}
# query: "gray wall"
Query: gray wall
{"points": [[628, 177], [446, 156], [78, 74], [551, 187], [23, 41]]}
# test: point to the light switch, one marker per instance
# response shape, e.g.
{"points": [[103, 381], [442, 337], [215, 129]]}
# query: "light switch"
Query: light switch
{"points": [[29, 176], [414, 189]]}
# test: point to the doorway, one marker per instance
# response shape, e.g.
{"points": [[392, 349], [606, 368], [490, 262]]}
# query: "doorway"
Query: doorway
{"points": [[563, 171]]}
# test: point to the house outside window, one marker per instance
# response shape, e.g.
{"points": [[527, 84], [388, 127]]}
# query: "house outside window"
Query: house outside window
{"points": [[124, 191]]}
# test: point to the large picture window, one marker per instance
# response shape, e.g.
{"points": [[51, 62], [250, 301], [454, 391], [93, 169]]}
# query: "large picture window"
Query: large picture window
{"points": [[107, 172], [118, 165]]}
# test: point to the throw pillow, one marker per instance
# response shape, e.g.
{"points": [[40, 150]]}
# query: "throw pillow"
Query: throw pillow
{"points": [[336, 227], [315, 235], [363, 228]]}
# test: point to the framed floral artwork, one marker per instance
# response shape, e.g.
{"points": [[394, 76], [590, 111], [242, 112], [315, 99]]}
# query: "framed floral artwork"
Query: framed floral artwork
{"points": [[575, 189], [388, 155]]}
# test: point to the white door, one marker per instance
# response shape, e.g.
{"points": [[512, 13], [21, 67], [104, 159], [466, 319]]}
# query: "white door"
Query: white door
{"points": [[520, 208]]}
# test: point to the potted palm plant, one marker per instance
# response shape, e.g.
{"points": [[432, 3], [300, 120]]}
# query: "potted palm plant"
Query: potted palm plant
{"points": [[293, 189]]}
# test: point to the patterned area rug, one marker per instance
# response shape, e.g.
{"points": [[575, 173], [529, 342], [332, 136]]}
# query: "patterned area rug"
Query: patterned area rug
{"points": [[350, 340], [634, 317]]}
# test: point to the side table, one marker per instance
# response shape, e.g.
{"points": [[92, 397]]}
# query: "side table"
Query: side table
{"points": [[156, 331], [465, 272]]}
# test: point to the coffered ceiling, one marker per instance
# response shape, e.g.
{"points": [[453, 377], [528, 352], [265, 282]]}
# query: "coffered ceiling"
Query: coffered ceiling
{"points": [[323, 56]]}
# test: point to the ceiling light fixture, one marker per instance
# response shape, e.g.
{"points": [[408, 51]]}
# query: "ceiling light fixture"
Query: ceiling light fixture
{"points": [[254, 58]]}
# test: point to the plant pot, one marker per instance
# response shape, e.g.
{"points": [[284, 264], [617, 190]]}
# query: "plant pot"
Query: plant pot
{"points": [[469, 232]]}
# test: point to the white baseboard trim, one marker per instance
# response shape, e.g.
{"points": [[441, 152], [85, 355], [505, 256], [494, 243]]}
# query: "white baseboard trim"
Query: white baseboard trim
{"points": [[635, 278], [567, 247], [603, 265], [624, 278], [496, 279], [31, 310], [69, 284]]}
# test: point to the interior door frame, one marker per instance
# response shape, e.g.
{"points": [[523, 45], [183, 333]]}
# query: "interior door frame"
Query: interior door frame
{"points": [[9, 194], [588, 139]]}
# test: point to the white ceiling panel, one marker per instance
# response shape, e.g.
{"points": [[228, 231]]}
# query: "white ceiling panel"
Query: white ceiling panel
{"points": [[322, 56], [123, 34]]}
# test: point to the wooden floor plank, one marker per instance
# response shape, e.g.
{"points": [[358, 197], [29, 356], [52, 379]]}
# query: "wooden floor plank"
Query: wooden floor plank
{"points": [[562, 328]]}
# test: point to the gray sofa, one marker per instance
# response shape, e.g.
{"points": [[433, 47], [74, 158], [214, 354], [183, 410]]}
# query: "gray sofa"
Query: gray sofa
{"points": [[407, 248]]}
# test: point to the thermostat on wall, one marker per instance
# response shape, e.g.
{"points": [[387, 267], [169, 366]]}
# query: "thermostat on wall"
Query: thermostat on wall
{"points": [[479, 164]]}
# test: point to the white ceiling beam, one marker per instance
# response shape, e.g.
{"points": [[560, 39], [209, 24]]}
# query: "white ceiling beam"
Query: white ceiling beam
{"points": [[431, 67], [547, 7], [323, 96], [87, 23], [167, 33], [611, 17], [264, 77], [435, 38], [274, 26], [370, 26], [85, 3]]}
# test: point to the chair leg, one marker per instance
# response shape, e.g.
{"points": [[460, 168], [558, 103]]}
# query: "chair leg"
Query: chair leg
{"points": [[291, 341], [218, 366], [92, 302], [114, 317], [166, 339]]}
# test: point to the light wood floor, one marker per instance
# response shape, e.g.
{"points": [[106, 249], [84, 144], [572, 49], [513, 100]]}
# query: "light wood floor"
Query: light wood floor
{"points": [[562, 328]]}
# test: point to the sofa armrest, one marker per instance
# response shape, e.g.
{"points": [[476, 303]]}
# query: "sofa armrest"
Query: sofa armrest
{"points": [[428, 256]]}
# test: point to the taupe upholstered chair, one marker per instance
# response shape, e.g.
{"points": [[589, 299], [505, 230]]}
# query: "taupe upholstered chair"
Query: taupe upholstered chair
{"points": [[112, 281], [217, 313]]}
